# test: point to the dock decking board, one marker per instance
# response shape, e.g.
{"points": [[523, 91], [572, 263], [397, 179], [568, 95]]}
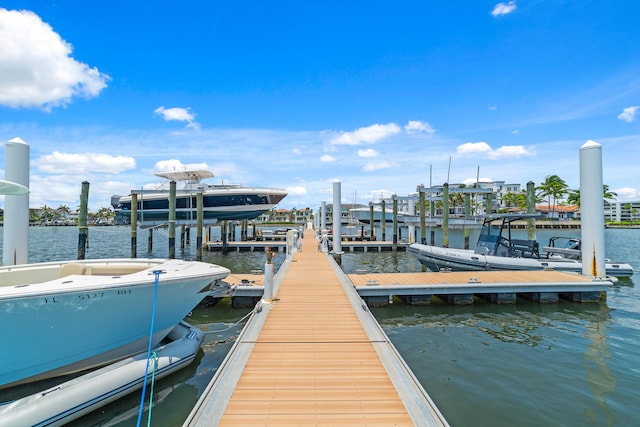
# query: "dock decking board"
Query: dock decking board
{"points": [[313, 360], [453, 277], [313, 363]]}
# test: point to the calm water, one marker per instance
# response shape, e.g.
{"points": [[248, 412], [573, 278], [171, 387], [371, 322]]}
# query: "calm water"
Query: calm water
{"points": [[563, 364]]}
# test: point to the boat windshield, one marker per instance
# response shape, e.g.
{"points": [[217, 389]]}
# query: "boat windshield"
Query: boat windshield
{"points": [[489, 236]]}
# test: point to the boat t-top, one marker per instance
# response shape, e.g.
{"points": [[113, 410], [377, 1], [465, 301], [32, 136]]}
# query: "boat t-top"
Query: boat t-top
{"points": [[220, 201]]}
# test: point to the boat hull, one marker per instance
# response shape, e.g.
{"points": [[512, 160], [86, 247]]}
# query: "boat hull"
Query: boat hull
{"points": [[81, 321], [437, 258], [72, 399], [218, 205]]}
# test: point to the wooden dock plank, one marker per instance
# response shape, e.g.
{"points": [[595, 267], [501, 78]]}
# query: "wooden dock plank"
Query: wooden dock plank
{"points": [[463, 277], [313, 363]]}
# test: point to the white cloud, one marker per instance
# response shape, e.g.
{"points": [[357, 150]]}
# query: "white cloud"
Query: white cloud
{"points": [[327, 158], [368, 153], [629, 114], [627, 193], [473, 148], [504, 8], [36, 67], [366, 135], [416, 126], [57, 162], [515, 132], [506, 151], [178, 114], [510, 151], [370, 167]]}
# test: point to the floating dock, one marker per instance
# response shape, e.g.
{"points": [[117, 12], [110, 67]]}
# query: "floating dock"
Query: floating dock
{"points": [[459, 288], [314, 356]]}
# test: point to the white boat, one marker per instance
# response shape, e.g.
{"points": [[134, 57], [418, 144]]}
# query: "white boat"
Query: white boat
{"points": [[220, 201], [64, 317], [364, 215], [496, 250], [62, 403]]}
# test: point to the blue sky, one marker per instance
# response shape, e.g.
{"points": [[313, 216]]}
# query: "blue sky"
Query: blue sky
{"points": [[381, 96]]}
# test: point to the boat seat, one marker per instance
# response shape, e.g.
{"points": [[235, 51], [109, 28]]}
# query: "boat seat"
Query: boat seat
{"points": [[72, 268], [525, 248], [115, 269]]}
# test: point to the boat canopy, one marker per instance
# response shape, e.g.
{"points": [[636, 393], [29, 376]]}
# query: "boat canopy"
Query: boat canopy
{"points": [[186, 175], [8, 187]]}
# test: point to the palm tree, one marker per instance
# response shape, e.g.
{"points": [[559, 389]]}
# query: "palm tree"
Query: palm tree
{"points": [[104, 214], [608, 195], [518, 200], [553, 187], [46, 213]]}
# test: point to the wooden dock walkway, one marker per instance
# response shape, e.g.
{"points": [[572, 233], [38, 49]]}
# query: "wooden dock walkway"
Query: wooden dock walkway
{"points": [[314, 357]]}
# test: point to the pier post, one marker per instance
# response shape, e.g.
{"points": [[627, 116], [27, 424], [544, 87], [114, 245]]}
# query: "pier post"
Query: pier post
{"points": [[323, 216], [445, 215], [467, 215], [371, 222], [531, 209], [432, 215], [223, 234], [199, 220], [592, 210], [83, 231], [150, 241], [423, 214], [337, 218], [267, 296], [183, 236], [16, 205], [383, 222], [488, 208], [134, 225], [172, 220], [394, 245], [412, 228]]}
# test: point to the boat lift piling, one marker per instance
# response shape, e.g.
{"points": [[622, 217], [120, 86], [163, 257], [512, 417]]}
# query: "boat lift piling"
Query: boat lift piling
{"points": [[383, 221], [371, 224], [172, 219], [467, 215], [394, 248], [16, 203], [445, 215], [134, 225], [421, 202], [83, 231], [531, 209], [592, 210], [199, 221]]}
